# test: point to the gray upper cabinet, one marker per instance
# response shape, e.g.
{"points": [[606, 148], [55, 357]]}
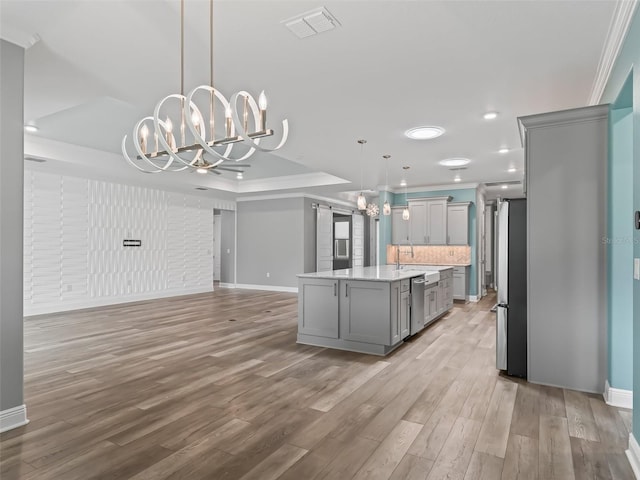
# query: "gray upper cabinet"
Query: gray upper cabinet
{"points": [[427, 223], [437, 221], [418, 222], [399, 227], [458, 223]]}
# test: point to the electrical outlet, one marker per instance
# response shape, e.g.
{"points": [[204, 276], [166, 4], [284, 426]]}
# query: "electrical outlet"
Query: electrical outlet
{"points": [[268, 274], [636, 268], [228, 250]]}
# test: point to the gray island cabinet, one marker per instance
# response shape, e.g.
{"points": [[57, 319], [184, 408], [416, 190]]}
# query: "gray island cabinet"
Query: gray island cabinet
{"points": [[364, 309]]}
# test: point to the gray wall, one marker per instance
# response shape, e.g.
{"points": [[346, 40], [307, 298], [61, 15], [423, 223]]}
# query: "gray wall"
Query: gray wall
{"points": [[227, 246], [11, 224], [271, 240], [566, 158]]}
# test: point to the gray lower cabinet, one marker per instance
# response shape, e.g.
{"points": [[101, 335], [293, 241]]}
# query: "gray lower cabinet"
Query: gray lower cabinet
{"points": [[318, 308], [405, 308], [460, 283], [364, 312], [356, 315]]}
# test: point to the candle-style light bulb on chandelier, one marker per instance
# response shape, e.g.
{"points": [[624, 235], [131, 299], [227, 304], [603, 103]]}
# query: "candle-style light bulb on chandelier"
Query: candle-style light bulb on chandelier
{"points": [[362, 200], [168, 155], [386, 207]]}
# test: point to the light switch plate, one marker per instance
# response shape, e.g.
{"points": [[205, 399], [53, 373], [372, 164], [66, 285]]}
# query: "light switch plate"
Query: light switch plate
{"points": [[636, 268]]}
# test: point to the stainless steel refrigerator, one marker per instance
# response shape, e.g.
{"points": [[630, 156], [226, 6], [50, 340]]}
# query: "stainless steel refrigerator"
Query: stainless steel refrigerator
{"points": [[511, 311]]}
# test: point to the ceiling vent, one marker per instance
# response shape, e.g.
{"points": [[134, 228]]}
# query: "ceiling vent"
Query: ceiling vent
{"points": [[33, 159], [497, 184], [311, 23]]}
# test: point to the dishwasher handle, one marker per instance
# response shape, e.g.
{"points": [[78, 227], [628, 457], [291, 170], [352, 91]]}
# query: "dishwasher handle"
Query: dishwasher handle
{"points": [[419, 282]]}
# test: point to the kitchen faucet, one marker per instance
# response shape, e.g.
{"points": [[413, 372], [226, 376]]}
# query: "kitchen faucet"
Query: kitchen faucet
{"points": [[398, 255]]}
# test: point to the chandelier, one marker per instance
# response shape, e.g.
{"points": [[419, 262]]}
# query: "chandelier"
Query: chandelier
{"points": [[373, 210], [196, 111]]}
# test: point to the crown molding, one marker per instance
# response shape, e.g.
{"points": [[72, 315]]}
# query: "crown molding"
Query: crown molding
{"points": [[616, 36], [305, 180], [19, 37], [562, 117], [280, 196], [435, 188]]}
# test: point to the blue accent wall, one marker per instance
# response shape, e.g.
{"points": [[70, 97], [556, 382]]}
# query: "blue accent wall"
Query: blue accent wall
{"points": [[463, 195], [620, 249], [628, 57]]}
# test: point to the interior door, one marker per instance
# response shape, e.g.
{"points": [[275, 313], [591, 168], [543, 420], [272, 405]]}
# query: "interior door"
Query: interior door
{"points": [[324, 239], [358, 240], [217, 248]]}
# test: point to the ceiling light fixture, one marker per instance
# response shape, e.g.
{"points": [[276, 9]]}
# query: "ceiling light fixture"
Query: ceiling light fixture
{"points": [[504, 187], [373, 210], [362, 200], [503, 150], [403, 183], [490, 115], [457, 178], [386, 207], [31, 128], [405, 210], [239, 176], [424, 133], [167, 153], [511, 169], [454, 162]]}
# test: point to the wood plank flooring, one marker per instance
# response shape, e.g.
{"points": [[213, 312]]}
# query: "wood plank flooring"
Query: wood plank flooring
{"points": [[214, 386]]}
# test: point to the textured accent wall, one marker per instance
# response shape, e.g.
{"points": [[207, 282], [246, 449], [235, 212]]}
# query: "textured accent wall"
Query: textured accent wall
{"points": [[73, 253]]}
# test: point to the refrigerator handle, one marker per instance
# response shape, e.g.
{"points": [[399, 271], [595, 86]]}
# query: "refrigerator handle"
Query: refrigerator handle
{"points": [[503, 305]]}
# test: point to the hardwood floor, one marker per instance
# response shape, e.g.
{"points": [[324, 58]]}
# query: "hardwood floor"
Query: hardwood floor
{"points": [[214, 386]]}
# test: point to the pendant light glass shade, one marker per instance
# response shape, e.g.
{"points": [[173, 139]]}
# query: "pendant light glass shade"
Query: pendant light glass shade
{"points": [[386, 208], [362, 202], [405, 213]]}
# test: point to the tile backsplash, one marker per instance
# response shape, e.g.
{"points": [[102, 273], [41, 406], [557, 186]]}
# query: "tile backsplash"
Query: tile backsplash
{"points": [[431, 254]]}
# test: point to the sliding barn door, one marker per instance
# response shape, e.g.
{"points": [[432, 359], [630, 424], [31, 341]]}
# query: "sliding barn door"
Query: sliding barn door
{"points": [[324, 239]]}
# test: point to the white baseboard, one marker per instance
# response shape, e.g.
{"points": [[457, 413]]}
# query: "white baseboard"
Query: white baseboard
{"points": [[105, 301], [616, 397], [633, 454], [13, 418], [269, 288], [227, 285]]}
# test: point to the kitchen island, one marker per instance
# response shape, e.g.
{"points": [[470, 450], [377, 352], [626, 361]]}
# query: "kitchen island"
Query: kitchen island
{"points": [[365, 309]]}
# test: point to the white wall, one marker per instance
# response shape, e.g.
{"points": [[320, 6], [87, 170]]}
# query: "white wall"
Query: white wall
{"points": [[73, 233]]}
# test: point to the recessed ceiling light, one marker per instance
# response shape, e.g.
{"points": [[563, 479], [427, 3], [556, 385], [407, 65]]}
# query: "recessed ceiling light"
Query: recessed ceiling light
{"points": [[424, 133], [490, 115], [201, 170], [403, 183], [503, 150], [511, 169], [239, 176], [31, 128], [504, 187], [454, 162], [457, 178]]}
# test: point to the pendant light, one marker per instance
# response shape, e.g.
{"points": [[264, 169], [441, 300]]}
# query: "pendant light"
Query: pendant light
{"points": [[405, 211], [386, 207], [362, 201]]}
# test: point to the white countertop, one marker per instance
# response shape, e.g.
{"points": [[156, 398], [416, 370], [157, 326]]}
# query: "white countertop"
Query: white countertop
{"points": [[381, 273]]}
